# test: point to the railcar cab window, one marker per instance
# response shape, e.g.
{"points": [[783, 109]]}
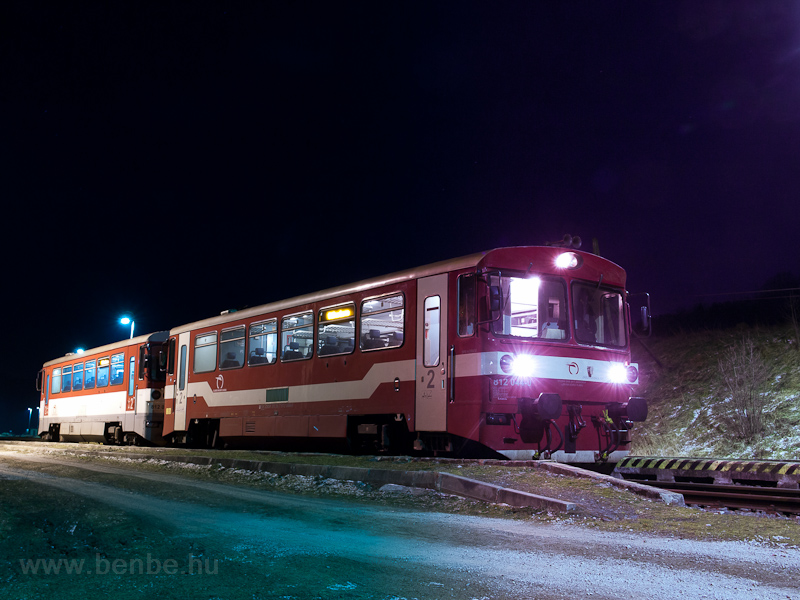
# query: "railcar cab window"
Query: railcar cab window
{"points": [[263, 343], [599, 315], [117, 369], [91, 366], [205, 352], [231, 348], [382, 322], [336, 330], [533, 307], [467, 288], [297, 337]]}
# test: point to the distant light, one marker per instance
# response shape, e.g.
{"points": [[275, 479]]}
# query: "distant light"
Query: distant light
{"points": [[125, 321], [568, 260], [79, 351]]}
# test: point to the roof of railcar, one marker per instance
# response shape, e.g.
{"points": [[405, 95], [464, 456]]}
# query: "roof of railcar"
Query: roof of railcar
{"points": [[454, 264], [158, 336]]}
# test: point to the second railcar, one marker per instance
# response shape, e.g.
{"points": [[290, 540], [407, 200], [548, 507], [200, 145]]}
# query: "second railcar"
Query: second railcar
{"points": [[522, 352], [110, 394]]}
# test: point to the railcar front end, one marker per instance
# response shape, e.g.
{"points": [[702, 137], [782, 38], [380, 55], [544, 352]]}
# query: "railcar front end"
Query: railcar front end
{"points": [[113, 394], [541, 356]]}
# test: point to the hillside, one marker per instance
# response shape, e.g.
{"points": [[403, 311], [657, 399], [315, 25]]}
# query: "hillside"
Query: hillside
{"points": [[691, 408]]}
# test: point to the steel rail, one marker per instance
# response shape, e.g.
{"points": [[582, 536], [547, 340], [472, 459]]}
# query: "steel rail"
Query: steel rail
{"points": [[767, 499]]}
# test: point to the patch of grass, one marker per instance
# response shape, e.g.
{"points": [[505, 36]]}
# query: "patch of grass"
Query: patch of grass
{"points": [[688, 402]]}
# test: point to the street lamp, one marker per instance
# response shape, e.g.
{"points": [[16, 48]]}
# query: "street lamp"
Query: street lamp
{"points": [[125, 321], [30, 413]]}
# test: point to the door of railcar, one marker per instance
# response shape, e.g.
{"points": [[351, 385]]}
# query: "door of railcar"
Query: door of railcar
{"points": [[181, 382], [432, 365]]}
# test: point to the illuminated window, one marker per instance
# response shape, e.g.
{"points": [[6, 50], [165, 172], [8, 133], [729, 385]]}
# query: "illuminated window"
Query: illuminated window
{"points": [[336, 331], [103, 365], [55, 387], [382, 322], [263, 343], [91, 365], [297, 337], [533, 307], [231, 348], [77, 377], [430, 345], [205, 352], [66, 379], [117, 369], [131, 373]]}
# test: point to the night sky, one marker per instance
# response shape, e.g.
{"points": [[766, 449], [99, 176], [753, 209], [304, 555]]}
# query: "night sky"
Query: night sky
{"points": [[176, 159]]}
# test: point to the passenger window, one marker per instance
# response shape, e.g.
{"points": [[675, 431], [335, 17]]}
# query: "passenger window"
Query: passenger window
{"points": [[102, 372], [430, 347], [117, 369], [382, 322], [466, 304], [337, 330], [231, 348], [205, 352], [56, 386], [297, 337], [91, 365], [77, 377], [66, 379], [263, 343]]}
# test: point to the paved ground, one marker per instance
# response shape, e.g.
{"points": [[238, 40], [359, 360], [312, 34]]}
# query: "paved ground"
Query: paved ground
{"points": [[145, 533]]}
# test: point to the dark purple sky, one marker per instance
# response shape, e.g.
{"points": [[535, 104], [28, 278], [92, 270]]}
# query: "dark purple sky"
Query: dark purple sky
{"points": [[175, 159]]}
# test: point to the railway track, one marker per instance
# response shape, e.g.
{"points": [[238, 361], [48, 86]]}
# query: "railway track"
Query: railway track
{"points": [[769, 486], [771, 500]]}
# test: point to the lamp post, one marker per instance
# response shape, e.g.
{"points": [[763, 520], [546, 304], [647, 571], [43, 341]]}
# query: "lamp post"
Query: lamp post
{"points": [[125, 321], [30, 414]]}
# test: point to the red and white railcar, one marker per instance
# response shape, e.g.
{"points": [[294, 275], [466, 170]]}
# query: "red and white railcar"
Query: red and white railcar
{"points": [[520, 351], [111, 394]]}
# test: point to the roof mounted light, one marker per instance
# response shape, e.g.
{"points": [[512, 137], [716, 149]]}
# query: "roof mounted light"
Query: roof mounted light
{"points": [[568, 260]]}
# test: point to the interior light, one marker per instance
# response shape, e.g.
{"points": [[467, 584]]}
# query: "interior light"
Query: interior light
{"points": [[340, 313], [568, 260], [525, 290]]}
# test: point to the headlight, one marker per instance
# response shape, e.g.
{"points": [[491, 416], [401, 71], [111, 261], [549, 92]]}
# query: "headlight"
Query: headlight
{"points": [[618, 373], [522, 365], [568, 260]]}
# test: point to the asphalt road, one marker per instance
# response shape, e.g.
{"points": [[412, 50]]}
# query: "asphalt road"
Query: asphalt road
{"points": [[145, 534]]}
